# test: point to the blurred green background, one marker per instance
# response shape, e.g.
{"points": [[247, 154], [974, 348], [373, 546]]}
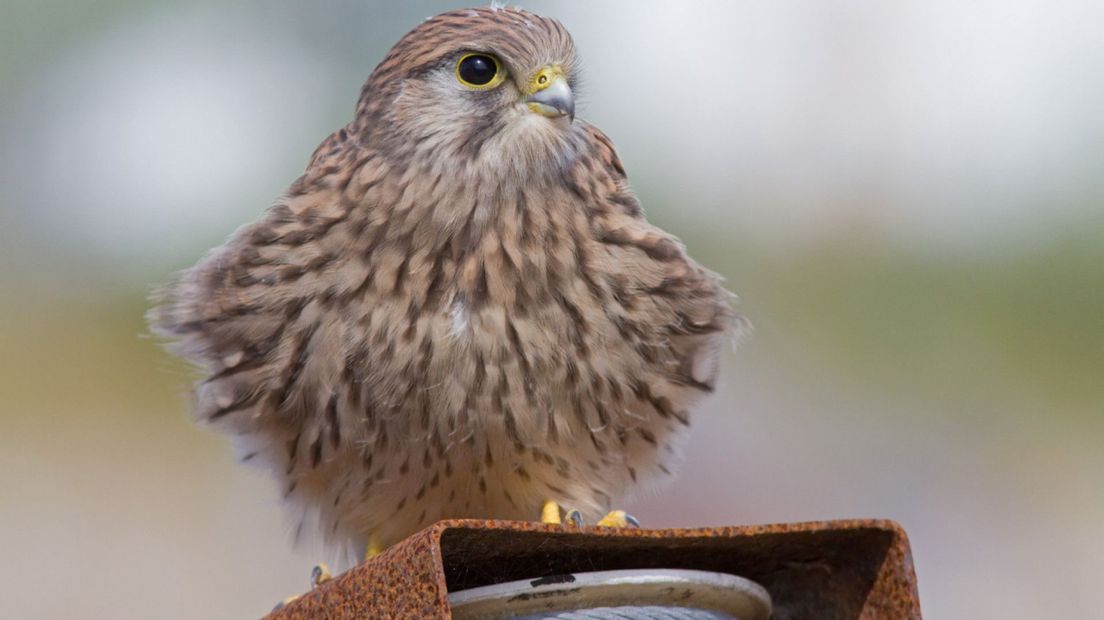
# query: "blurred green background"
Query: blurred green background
{"points": [[908, 196]]}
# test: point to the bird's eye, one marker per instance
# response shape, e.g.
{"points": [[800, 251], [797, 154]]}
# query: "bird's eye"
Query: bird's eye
{"points": [[479, 71]]}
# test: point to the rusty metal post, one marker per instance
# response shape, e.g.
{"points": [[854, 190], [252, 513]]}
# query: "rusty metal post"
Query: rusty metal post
{"points": [[826, 570]]}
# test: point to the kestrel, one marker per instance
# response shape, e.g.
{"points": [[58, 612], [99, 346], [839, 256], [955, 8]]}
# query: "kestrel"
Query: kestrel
{"points": [[458, 310]]}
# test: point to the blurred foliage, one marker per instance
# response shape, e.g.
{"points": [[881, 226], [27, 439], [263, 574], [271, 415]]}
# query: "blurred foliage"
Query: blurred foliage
{"points": [[1021, 327], [33, 32], [76, 353]]}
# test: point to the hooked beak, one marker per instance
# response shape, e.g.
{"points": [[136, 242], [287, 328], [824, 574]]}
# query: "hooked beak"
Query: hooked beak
{"points": [[551, 96]]}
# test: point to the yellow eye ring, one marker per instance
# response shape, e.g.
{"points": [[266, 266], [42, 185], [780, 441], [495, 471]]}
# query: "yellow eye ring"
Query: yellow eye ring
{"points": [[474, 71]]}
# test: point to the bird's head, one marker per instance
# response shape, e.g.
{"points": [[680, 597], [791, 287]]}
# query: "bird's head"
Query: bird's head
{"points": [[488, 86]]}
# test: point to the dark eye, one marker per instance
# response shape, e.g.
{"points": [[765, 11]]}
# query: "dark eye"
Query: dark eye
{"points": [[479, 71]]}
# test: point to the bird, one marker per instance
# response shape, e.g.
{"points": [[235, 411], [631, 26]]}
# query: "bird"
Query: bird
{"points": [[459, 309]]}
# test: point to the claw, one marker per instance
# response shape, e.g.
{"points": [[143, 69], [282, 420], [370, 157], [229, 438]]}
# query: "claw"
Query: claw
{"points": [[619, 518], [551, 515], [320, 574]]}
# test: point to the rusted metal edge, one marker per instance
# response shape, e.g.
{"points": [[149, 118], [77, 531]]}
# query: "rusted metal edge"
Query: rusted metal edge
{"points": [[848, 569]]}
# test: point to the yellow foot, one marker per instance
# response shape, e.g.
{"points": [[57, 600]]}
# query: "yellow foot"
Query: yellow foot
{"points": [[618, 518], [373, 549], [320, 574], [550, 515]]}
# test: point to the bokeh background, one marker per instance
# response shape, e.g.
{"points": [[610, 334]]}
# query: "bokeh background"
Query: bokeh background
{"points": [[908, 196]]}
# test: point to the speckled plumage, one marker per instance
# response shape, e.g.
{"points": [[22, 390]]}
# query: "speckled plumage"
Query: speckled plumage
{"points": [[458, 310]]}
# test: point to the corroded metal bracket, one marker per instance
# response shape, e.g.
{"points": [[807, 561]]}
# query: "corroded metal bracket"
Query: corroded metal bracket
{"points": [[834, 569]]}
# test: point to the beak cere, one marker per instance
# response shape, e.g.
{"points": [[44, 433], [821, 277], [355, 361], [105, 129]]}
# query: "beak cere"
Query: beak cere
{"points": [[551, 96]]}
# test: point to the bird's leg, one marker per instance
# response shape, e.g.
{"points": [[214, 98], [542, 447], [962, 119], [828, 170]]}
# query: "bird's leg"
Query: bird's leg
{"points": [[618, 518]]}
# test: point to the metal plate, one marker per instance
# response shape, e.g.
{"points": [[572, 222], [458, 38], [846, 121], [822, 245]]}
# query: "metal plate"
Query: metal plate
{"points": [[738, 598]]}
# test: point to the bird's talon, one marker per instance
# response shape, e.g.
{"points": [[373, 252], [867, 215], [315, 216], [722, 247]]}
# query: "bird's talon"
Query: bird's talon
{"points": [[619, 518], [320, 574]]}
